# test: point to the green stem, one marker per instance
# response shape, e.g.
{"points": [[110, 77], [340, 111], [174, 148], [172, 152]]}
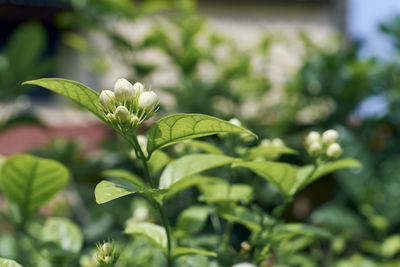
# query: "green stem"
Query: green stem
{"points": [[159, 207]]}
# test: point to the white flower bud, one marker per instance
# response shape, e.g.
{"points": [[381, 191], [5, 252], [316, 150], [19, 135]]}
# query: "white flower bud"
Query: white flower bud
{"points": [[313, 137], [142, 140], [134, 120], [138, 88], [107, 99], [122, 114], [110, 117], [148, 100], [141, 213], [277, 142], [123, 90], [330, 137], [107, 260], [315, 148], [236, 122], [334, 150], [107, 248], [265, 142]]}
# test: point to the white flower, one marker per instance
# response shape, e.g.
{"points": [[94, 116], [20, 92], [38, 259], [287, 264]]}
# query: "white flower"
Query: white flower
{"points": [[123, 90], [277, 142], [122, 114], [148, 100], [265, 142], [138, 88], [330, 137], [236, 122], [107, 99], [334, 150], [315, 148], [313, 137]]}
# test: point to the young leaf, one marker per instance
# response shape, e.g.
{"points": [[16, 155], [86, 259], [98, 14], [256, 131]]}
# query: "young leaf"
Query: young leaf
{"points": [[9, 263], [186, 183], [306, 174], [123, 174], [153, 232], [179, 127], [180, 251], [61, 236], [115, 188], [242, 215], [280, 175], [158, 161], [75, 91], [190, 165], [221, 191], [290, 230], [31, 181], [192, 220]]}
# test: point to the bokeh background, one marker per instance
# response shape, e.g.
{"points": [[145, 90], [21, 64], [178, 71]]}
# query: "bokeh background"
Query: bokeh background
{"points": [[282, 67]]}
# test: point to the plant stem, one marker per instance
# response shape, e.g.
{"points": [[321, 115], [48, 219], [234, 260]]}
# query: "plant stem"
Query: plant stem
{"points": [[159, 207]]}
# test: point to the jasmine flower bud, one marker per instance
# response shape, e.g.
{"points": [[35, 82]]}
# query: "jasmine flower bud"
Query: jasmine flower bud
{"points": [[148, 100], [277, 142], [138, 88], [236, 122], [265, 142], [313, 137], [106, 254], [334, 150], [330, 137], [123, 90], [110, 117], [142, 140], [107, 99], [134, 120], [122, 114], [315, 148]]}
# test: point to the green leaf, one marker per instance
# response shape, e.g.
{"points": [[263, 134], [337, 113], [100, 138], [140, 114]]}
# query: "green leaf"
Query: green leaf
{"points": [[290, 230], [61, 237], [180, 251], [186, 183], [191, 165], [192, 220], [77, 92], [123, 174], [179, 127], [242, 215], [31, 181], [221, 191], [268, 152], [391, 246], [115, 188], [196, 146], [305, 175], [9, 263], [158, 161], [280, 175], [153, 232]]}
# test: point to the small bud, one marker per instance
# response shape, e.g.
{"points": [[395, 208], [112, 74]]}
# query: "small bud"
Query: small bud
{"points": [[122, 114], [277, 142], [334, 150], [236, 122], [134, 120], [148, 100], [110, 117], [123, 90], [107, 260], [315, 148], [107, 248], [313, 137], [106, 254], [138, 88], [330, 137], [141, 213], [265, 142], [107, 99], [142, 140]]}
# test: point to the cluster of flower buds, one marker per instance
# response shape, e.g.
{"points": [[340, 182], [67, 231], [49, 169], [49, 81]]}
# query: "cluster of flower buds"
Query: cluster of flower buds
{"points": [[277, 142], [128, 105], [326, 144], [106, 254]]}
